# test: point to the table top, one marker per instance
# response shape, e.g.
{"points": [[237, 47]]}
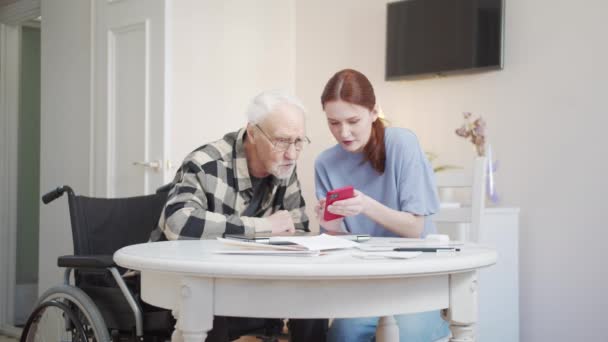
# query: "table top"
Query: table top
{"points": [[197, 257]]}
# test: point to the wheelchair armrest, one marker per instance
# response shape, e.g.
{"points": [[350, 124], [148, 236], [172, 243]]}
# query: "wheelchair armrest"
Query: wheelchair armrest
{"points": [[86, 261]]}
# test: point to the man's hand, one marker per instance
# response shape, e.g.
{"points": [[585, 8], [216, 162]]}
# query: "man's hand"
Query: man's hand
{"points": [[281, 223]]}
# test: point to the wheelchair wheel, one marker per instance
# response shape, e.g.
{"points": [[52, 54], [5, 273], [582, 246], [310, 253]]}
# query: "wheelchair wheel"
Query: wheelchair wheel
{"points": [[63, 314]]}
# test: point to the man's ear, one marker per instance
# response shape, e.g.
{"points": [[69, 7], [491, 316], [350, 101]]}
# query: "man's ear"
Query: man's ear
{"points": [[250, 132]]}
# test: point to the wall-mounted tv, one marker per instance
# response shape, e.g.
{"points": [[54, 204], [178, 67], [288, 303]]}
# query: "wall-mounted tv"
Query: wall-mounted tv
{"points": [[425, 37]]}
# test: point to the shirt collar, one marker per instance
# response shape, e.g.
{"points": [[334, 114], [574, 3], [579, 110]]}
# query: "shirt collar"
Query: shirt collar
{"points": [[241, 171]]}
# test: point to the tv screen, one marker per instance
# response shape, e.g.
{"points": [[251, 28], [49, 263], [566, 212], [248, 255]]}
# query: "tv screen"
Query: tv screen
{"points": [[443, 36]]}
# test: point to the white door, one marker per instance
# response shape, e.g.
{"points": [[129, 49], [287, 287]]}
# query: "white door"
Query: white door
{"points": [[130, 154]]}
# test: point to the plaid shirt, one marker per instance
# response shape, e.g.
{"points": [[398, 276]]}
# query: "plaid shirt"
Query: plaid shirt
{"points": [[212, 189]]}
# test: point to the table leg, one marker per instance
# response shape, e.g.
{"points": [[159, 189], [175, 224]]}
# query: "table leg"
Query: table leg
{"points": [[462, 313], [195, 312], [387, 329]]}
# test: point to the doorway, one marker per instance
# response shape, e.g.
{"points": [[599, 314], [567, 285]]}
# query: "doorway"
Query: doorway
{"points": [[28, 174], [19, 172]]}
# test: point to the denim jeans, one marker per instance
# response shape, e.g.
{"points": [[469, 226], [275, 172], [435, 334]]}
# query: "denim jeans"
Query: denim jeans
{"points": [[417, 327]]}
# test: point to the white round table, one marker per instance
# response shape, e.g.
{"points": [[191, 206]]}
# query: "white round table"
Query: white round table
{"points": [[196, 283]]}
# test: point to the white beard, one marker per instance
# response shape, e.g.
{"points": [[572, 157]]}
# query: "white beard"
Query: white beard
{"points": [[281, 172]]}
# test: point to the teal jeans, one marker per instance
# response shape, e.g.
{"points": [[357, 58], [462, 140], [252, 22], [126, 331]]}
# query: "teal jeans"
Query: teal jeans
{"points": [[416, 327]]}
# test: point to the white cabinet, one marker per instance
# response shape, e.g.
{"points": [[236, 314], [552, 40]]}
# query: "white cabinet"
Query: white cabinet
{"points": [[499, 284]]}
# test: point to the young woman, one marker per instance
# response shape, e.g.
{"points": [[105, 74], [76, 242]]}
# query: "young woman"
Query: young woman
{"points": [[394, 190]]}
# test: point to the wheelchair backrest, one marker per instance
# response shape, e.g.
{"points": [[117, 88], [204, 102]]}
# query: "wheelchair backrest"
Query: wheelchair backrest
{"points": [[104, 225]]}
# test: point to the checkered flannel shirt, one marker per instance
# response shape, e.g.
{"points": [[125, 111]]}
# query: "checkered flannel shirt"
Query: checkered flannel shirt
{"points": [[213, 188]]}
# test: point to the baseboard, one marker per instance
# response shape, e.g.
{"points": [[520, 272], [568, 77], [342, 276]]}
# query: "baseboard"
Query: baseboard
{"points": [[10, 331]]}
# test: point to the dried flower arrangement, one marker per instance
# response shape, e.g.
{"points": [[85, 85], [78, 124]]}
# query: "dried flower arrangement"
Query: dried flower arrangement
{"points": [[475, 131]]}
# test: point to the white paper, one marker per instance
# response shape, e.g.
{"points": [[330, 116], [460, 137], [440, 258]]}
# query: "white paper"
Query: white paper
{"points": [[257, 246], [407, 242], [321, 242], [270, 252], [376, 248]]}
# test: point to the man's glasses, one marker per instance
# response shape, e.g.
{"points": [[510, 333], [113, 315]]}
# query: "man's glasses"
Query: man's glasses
{"points": [[282, 145]]}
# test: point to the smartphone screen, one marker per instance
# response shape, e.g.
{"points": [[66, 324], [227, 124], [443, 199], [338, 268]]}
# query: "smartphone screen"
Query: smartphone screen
{"points": [[336, 195]]}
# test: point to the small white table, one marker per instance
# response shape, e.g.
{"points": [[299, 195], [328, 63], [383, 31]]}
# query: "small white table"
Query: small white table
{"points": [[188, 278], [499, 314]]}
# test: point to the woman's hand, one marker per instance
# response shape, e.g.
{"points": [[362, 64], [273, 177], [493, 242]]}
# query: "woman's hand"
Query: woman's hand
{"points": [[399, 222], [333, 225], [350, 207]]}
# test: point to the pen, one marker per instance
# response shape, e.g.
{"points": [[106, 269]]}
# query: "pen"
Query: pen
{"points": [[425, 249]]}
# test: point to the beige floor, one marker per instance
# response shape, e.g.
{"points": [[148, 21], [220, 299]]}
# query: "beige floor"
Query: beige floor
{"points": [[253, 339], [7, 339], [242, 339]]}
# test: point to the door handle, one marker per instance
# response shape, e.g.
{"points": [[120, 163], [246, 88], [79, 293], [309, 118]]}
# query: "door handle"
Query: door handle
{"points": [[155, 165]]}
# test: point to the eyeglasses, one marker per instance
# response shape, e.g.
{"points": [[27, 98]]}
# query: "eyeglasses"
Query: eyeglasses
{"points": [[282, 145]]}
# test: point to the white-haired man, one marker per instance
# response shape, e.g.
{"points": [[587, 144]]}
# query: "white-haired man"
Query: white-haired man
{"points": [[245, 183]]}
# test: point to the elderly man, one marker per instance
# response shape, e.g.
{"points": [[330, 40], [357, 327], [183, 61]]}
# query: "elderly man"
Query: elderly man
{"points": [[245, 183]]}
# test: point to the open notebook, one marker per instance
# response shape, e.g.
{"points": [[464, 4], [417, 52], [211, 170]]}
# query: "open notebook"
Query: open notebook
{"points": [[286, 245], [276, 240]]}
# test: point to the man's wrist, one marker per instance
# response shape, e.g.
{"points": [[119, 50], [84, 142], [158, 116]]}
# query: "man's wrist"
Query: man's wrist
{"points": [[262, 225], [256, 225]]}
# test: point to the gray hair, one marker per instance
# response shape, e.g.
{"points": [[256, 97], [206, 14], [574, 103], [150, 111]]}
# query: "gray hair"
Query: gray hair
{"points": [[265, 102]]}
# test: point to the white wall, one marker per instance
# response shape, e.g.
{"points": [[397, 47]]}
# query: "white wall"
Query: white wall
{"points": [[224, 53], [65, 121], [546, 117]]}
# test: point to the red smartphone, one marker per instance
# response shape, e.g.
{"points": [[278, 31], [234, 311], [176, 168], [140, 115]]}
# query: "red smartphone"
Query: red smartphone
{"points": [[336, 195]]}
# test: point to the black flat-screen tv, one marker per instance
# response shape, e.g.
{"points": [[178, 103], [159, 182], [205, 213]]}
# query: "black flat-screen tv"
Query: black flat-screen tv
{"points": [[426, 37]]}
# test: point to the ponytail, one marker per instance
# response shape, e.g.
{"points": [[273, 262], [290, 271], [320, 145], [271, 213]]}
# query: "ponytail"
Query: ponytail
{"points": [[374, 151]]}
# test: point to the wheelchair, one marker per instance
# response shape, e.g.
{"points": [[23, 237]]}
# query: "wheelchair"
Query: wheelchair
{"points": [[103, 304]]}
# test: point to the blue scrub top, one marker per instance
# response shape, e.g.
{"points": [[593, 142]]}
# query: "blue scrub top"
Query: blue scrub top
{"points": [[407, 184]]}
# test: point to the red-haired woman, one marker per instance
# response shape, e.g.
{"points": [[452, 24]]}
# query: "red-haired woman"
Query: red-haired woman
{"points": [[394, 190]]}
